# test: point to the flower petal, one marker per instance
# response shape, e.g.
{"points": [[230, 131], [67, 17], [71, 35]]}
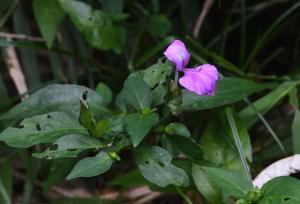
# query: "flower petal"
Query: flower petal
{"points": [[201, 80], [178, 54]]}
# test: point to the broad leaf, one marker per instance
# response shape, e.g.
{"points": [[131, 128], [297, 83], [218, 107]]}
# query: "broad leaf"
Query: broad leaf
{"points": [[177, 129], [208, 189], [137, 93], [281, 190], [70, 146], [105, 92], [228, 91], [187, 146], [218, 144], [155, 165], [48, 14], [138, 125], [91, 166], [95, 25], [232, 183], [42, 129], [159, 25], [157, 73], [159, 95], [55, 98]]}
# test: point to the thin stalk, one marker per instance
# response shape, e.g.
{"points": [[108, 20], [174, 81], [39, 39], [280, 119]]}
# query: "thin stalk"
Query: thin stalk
{"points": [[176, 78], [8, 13], [238, 143], [260, 116], [186, 199]]}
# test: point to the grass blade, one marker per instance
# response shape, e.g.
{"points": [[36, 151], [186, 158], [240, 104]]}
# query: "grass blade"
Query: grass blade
{"points": [[268, 34], [237, 141]]}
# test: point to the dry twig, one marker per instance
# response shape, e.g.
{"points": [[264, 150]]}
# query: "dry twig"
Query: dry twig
{"points": [[205, 9]]}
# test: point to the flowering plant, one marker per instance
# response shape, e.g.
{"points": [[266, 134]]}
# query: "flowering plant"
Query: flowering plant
{"points": [[175, 119]]}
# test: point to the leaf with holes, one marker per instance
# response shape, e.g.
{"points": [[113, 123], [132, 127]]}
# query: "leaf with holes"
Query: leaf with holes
{"points": [[91, 166], [138, 125], [42, 129], [155, 165], [70, 146], [55, 97], [157, 73], [281, 190]]}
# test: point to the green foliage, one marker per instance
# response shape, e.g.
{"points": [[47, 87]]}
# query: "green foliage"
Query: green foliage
{"points": [[96, 25], [228, 90], [154, 162], [48, 14], [54, 98], [92, 166], [42, 129], [135, 110], [138, 125], [281, 190]]}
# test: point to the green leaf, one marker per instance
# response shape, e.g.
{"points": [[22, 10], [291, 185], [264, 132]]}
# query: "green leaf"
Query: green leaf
{"points": [[159, 95], [5, 180], [177, 129], [159, 25], [91, 166], [55, 98], [232, 183], [70, 146], [281, 190], [155, 165], [42, 129], [266, 103], [209, 190], [95, 25], [138, 125], [48, 14], [228, 90], [129, 180], [218, 144], [137, 93], [157, 73], [86, 117], [296, 132], [105, 92], [187, 146], [57, 173], [113, 6], [293, 98]]}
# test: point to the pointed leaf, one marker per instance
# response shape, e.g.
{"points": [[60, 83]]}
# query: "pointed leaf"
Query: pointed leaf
{"points": [[138, 125], [155, 165], [42, 129], [91, 166]]}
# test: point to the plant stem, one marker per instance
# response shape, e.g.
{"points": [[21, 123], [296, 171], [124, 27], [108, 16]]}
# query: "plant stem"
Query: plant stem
{"points": [[238, 142], [176, 78], [179, 191]]}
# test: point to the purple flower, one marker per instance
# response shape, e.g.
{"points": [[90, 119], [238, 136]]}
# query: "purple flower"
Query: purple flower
{"points": [[178, 54], [201, 80]]}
